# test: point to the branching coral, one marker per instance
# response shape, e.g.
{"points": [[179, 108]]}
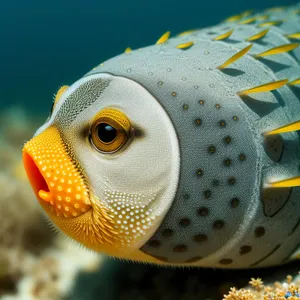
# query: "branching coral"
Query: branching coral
{"points": [[289, 289]]}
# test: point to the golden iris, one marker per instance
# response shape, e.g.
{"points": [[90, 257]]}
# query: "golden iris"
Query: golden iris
{"points": [[110, 130]]}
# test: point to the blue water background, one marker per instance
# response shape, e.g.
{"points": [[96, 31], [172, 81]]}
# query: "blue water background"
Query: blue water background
{"points": [[46, 44]]}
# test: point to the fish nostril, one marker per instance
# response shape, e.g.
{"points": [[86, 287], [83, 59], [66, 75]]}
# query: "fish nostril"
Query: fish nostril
{"points": [[35, 177]]}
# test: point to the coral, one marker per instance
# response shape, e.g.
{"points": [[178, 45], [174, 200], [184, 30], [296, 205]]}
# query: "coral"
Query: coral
{"points": [[35, 263], [289, 289]]}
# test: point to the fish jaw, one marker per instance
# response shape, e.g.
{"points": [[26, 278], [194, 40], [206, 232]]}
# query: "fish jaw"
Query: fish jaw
{"points": [[63, 193], [57, 182]]}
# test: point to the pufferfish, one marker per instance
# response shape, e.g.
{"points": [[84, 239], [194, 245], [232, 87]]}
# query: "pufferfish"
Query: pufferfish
{"points": [[183, 153]]}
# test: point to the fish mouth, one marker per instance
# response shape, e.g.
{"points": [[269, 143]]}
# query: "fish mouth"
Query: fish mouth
{"points": [[55, 178], [36, 179]]}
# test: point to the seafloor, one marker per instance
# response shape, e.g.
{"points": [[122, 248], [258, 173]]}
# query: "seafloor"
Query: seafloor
{"points": [[37, 263]]}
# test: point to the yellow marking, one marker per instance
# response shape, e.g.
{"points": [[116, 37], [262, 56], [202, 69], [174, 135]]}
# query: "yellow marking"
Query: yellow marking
{"points": [[294, 82], [276, 9], [186, 32], [185, 45], [278, 50], [128, 49], [297, 11], [59, 93], [224, 35], [246, 13], [286, 183], [294, 36], [286, 128], [248, 21], [233, 18], [163, 38], [270, 23], [235, 57], [267, 87], [258, 35], [262, 18]]}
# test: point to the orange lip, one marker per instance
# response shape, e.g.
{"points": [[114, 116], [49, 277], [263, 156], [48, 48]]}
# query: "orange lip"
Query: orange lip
{"points": [[35, 177], [54, 176]]}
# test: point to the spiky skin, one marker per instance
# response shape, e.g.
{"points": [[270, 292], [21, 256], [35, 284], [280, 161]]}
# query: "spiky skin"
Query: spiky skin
{"points": [[224, 214]]}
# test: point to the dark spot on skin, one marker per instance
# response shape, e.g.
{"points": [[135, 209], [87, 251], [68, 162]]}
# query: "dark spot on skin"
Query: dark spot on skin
{"points": [[259, 231], [194, 259], [234, 202], [201, 102], [185, 106], [207, 194], [235, 118], [242, 157], [160, 83], [174, 94], [203, 211], [231, 180], [199, 238], [184, 222], [186, 196], [227, 139], [198, 122], [227, 162], [219, 224], [167, 232], [245, 249], [180, 248], [225, 261], [154, 243], [218, 106], [211, 149], [222, 123], [199, 172]]}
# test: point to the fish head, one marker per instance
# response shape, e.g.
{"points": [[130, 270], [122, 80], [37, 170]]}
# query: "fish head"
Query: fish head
{"points": [[105, 165]]}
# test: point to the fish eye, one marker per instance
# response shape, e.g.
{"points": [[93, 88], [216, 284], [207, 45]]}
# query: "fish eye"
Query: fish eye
{"points": [[110, 130], [58, 95]]}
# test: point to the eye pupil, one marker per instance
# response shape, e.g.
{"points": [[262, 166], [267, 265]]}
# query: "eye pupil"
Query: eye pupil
{"points": [[106, 133]]}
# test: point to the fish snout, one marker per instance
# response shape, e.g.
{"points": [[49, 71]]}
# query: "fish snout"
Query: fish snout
{"points": [[54, 176]]}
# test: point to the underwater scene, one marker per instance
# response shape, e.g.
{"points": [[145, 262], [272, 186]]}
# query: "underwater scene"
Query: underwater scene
{"points": [[150, 150]]}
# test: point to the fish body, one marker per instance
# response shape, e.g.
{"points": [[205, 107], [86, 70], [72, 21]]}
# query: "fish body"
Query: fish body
{"points": [[182, 153]]}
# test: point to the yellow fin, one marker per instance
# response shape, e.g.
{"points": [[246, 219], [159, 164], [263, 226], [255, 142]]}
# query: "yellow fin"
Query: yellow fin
{"points": [[262, 18], [235, 57], [270, 23], [286, 183], [248, 21], [128, 49], [286, 128], [278, 50], [267, 87], [258, 35], [185, 45], [246, 13], [224, 35], [163, 38], [276, 9], [59, 93], [294, 82], [233, 18], [186, 32], [295, 35]]}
